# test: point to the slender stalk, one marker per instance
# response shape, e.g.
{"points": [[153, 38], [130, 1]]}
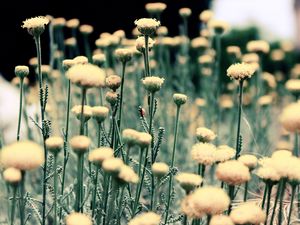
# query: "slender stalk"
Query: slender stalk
{"points": [[106, 189], [218, 81], [121, 94], [208, 219], [276, 201], [81, 131], [270, 186], [94, 201], [185, 220], [296, 145], [239, 118], [55, 189], [79, 183], [281, 200], [231, 196], [246, 192], [151, 120], [147, 67], [20, 108], [120, 205], [21, 199], [87, 47], [13, 204], [111, 209], [291, 204]]}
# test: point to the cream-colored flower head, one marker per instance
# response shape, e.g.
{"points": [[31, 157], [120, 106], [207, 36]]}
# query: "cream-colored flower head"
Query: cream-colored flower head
{"points": [[147, 26], [269, 79], [281, 153], [155, 7], [204, 134], [148, 218], [22, 155], [127, 175], [36, 25], [78, 219], [112, 165], [188, 181], [21, 71], [58, 22], [54, 144], [293, 86], [80, 144], [206, 15], [140, 43], [99, 59], [224, 153], [210, 200], [221, 220], [234, 51], [86, 75], [143, 139], [294, 171], [73, 23], [265, 100], [81, 59], [86, 29], [248, 213], [68, 63], [219, 26], [187, 207], [153, 83], [226, 102], [282, 165], [248, 160], [100, 113], [277, 55], [111, 97], [120, 34], [12, 175], [113, 82], [162, 31], [206, 60], [268, 173], [98, 155], [258, 46], [179, 99], [240, 71], [16, 81], [290, 117], [130, 136], [124, 54], [233, 172], [185, 12], [160, 169], [200, 43], [70, 42], [87, 112], [204, 153]]}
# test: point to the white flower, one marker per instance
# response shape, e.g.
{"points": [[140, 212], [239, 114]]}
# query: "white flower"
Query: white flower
{"points": [[160, 169], [78, 219], [258, 46], [240, 71], [204, 134], [188, 181], [127, 174], [147, 26], [153, 83], [290, 117], [248, 213], [35, 25], [248, 160], [204, 153], [140, 43], [149, 218], [224, 153], [12, 175]]}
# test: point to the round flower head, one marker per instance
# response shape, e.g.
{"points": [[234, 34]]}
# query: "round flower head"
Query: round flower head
{"points": [[293, 86], [219, 26], [153, 83], [112, 165], [269, 79], [258, 46], [71, 42], [100, 113], [147, 26], [98, 155], [265, 100], [206, 60], [281, 153], [187, 207], [86, 75], [234, 51], [113, 82], [12, 175], [277, 55], [140, 43], [130, 136], [282, 165], [148, 218], [54, 144], [221, 220], [179, 99], [206, 15], [111, 97], [36, 25], [87, 112], [143, 139], [233, 172], [81, 59], [248, 213], [203, 153], [240, 71], [204, 134], [188, 181], [80, 144], [68, 63], [59, 22], [99, 59], [224, 153], [267, 174], [156, 7], [86, 29], [22, 155], [290, 117], [124, 54], [200, 43], [78, 219], [160, 169], [127, 175], [120, 34], [21, 71], [294, 171], [73, 23], [185, 12], [248, 160], [162, 31]]}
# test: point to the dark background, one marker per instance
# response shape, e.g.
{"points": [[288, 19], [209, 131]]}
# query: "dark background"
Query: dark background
{"points": [[17, 46]]}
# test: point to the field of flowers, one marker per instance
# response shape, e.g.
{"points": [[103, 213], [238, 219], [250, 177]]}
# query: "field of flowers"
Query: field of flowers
{"points": [[154, 129]]}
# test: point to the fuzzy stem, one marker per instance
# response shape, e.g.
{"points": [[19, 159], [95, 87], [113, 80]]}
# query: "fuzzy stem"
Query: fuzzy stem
{"points": [[121, 94], [292, 202], [20, 108], [78, 199], [239, 118], [13, 205], [246, 192]]}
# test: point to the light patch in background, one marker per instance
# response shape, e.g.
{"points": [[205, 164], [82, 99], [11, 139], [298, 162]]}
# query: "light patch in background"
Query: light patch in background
{"points": [[274, 18]]}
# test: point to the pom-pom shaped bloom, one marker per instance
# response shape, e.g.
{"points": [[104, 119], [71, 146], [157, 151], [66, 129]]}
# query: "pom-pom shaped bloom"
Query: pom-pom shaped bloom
{"points": [[153, 83], [86, 29], [155, 7], [206, 15], [140, 43], [22, 155], [127, 175], [221, 220], [258, 46], [68, 63], [233, 172], [36, 25], [160, 169], [21, 71], [113, 82], [99, 59], [73, 23], [98, 155], [248, 213], [179, 99], [112, 165], [224, 153], [290, 117], [81, 59], [143, 139], [204, 134], [54, 144], [124, 54], [267, 174], [80, 144], [199, 43], [265, 100], [147, 26], [185, 12], [148, 218], [130, 136], [293, 86], [188, 181], [87, 112], [78, 219], [111, 97], [234, 51], [240, 71], [248, 160], [100, 113], [219, 26], [12, 175], [203, 153]]}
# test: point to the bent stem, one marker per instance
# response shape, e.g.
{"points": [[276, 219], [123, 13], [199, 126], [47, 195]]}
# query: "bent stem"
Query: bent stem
{"points": [[239, 118], [20, 108]]}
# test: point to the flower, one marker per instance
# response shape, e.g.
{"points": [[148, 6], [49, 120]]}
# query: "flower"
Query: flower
{"points": [[58, 22], [248, 213], [124, 54], [21, 71], [68, 63], [113, 82], [294, 171], [100, 113], [188, 181], [293, 86], [130, 136], [80, 143], [71, 42], [179, 99], [221, 220], [204, 134], [224, 153], [112, 165], [86, 75], [160, 169], [127, 175], [248, 160], [36, 25], [206, 60], [22, 155], [78, 219], [219, 26], [140, 43], [265, 100], [200, 43], [162, 31], [153, 83], [12, 175], [234, 51], [156, 7], [147, 26], [206, 15], [185, 12], [86, 29], [290, 117], [277, 55], [54, 144], [143, 139], [233, 172], [99, 59], [267, 173], [98, 155], [204, 153], [73, 23], [240, 71], [148, 218], [111, 97], [281, 154], [258, 46], [87, 112]]}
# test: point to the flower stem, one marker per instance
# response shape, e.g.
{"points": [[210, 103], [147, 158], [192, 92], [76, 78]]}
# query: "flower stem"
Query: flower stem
{"points": [[296, 145], [79, 183], [239, 118], [292, 202], [94, 204], [111, 209], [270, 186], [185, 220], [281, 200], [81, 131], [20, 108], [208, 219], [121, 95], [231, 196], [147, 67], [218, 81], [55, 189], [21, 200], [246, 192], [264, 196], [13, 205], [276, 201]]}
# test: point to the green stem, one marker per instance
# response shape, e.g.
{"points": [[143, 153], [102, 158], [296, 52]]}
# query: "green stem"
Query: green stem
{"points": [[111, 209], [94, 201], [239, 118], [246, 192], [185, 220], [281, 200], [151, 123], [276, 201], [105, 194], [148, 72], [296, 145], [55, 189], [21, 200], [13, 205], [264, 196], [20, 108], [231, 196], [208, 219], [270, 186], [99, 134], [81, 131], [120, 205], [121, 94], [79, 183], [292, 202], [87, 48], [218, 79]]}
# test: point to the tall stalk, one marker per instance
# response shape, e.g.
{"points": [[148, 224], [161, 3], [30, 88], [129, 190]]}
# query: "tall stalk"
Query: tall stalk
{"points": [[238, 133], [55, 189], [121, 94], [20, 107], [13, 204], [21, 199], [147, 67], [281, 200], [78, 198], [291, 204], [276, 201], [270, 186]]}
